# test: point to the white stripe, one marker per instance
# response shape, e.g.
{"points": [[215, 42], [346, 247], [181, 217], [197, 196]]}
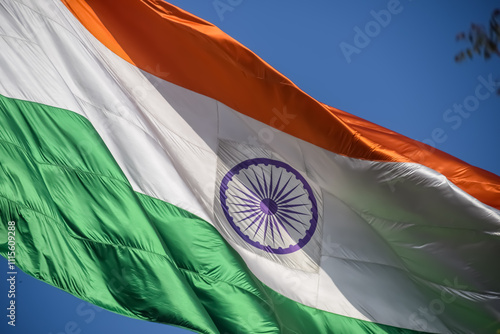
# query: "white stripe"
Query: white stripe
{"points": [[48, 57]]}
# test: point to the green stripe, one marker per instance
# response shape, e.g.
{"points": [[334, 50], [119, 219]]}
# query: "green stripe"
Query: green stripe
{"points": [[82, 228]]}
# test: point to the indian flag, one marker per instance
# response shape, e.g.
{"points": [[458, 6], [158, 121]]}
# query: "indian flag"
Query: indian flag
{"points": [[158, 168]]}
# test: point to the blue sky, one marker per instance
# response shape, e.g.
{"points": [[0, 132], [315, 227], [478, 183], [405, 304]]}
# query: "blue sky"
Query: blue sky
{"points": [[404, 78]]}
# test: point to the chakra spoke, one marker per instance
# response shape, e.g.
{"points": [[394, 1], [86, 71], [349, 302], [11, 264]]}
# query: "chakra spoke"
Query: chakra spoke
{"points": [[258, 183], [258, 227], [251, 195], [277, 185], [281, 191], [270, 182], [251, 201], [260, 196], [294, 212], [265, 183], [291, 205], [254, 221], [288, 223], [249, 210], [272, 228], [265, 228], [290, 217], [274, 220], [245, 205], [290, 199], [278, 219], [248, 217], [285, 195]]}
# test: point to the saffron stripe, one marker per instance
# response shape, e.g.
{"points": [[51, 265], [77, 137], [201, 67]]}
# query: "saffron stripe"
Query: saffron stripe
{"points": [[209, 62]]}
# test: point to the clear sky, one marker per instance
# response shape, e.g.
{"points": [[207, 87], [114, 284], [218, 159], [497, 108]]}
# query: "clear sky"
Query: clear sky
{"points": [[404, 78]]}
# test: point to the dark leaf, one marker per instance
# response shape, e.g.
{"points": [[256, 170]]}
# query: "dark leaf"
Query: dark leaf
{"points": [[469, 53], [460, 36], [459, 57], [492, 45]]}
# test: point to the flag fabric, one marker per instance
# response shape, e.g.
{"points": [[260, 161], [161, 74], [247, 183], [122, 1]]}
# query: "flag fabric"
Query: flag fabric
{"points": [[157, 168]]}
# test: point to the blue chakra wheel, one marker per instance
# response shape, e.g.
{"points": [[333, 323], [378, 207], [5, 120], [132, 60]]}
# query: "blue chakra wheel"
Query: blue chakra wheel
{"points": [[270, 205]]}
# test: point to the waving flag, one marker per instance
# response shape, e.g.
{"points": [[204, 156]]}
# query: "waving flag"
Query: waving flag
{"points": [[157, 168]]}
